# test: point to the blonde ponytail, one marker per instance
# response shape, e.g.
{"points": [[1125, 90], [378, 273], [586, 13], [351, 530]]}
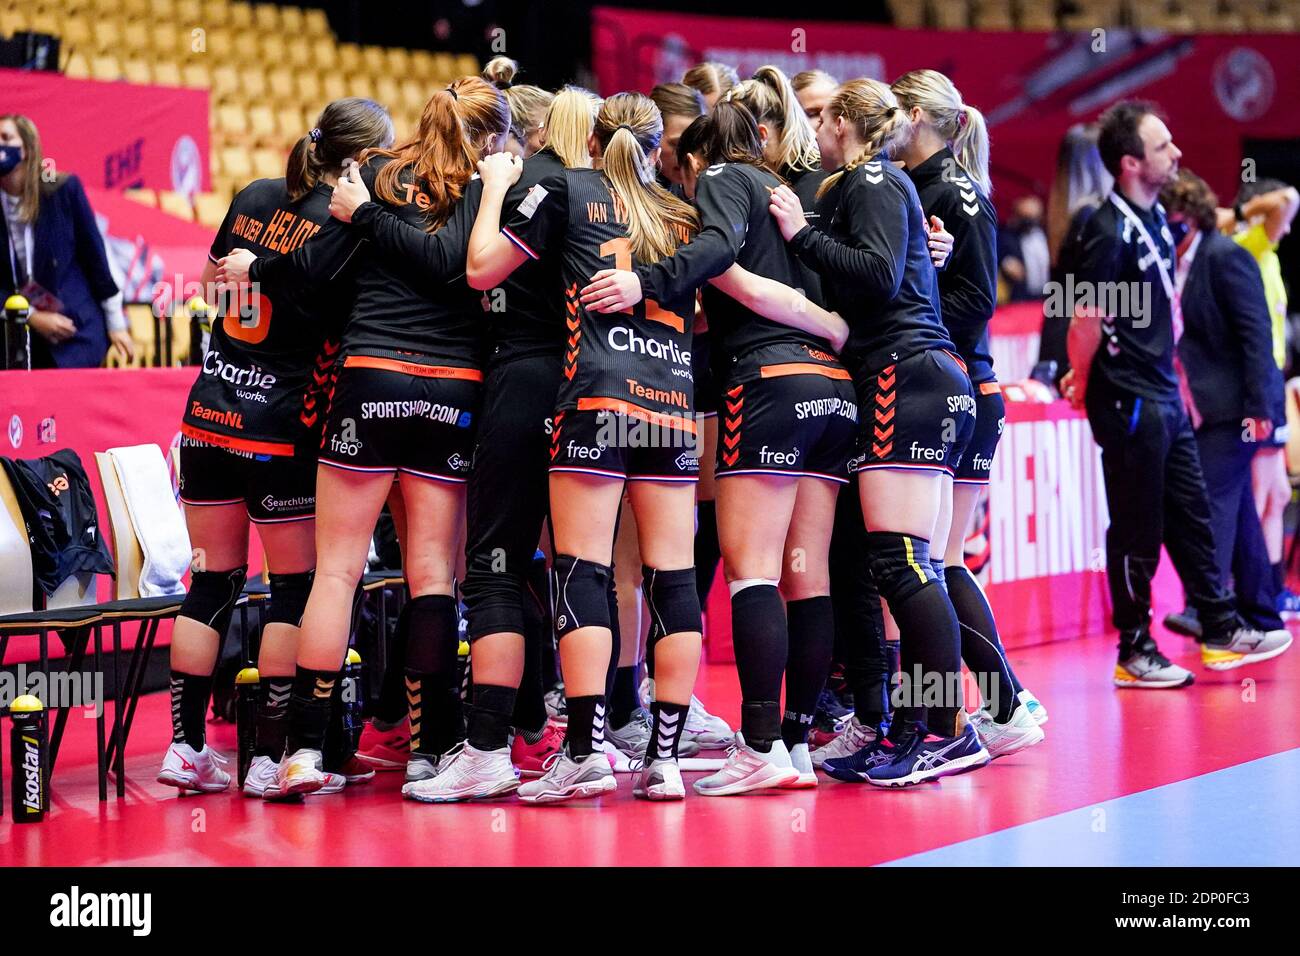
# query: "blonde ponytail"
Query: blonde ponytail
{"points": [[629, 128], [569, 123], [771, 98], [960, 125]]}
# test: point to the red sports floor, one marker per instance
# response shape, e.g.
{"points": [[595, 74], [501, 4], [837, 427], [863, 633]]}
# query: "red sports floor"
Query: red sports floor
{"points": [[1101, 744]]}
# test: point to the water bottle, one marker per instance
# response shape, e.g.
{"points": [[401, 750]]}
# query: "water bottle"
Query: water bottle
{"points": [[353, 697], [28, 754], [247, 684]]}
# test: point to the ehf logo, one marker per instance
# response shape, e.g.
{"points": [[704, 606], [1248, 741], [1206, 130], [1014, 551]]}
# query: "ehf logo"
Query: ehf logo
{"points": [[1244, 84], [187, 177], [15, 431]]}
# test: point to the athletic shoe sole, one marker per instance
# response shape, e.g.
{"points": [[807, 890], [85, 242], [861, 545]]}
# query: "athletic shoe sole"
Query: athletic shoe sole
{"points": [[1240, 661], [305, 785], [502, 789], [952, 768], [801, 782], [189, 783], [777, 779], [660, 792], [381, 763], [591, 788], [1138, 684]]}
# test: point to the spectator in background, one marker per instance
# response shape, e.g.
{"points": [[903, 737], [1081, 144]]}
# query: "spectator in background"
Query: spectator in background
{"points": [[1236, 393], [813, 89], [1023, 257], [712, 80], [1080, 186], [54, 254], [1262, 216]]}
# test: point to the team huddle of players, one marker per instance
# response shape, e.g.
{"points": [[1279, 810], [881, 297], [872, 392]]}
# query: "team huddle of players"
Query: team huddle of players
{"points": [[746, 317]]}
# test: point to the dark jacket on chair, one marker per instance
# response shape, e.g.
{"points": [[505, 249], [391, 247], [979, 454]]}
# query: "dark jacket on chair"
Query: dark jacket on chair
{"points": [[69, 261], [1227, 343]]}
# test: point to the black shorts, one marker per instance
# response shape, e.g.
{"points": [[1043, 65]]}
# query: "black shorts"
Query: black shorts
{"points": [[990, 417], [392, 416], [615, 445], [917, 414], [798, 422], [272, 488]]}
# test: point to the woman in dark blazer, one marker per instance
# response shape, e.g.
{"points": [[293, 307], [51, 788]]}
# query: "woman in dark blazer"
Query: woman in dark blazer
{"points": [[52, 252]]}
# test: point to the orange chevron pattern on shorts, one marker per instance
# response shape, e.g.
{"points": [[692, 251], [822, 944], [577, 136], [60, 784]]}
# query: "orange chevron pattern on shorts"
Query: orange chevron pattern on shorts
{"points": [[731, 422], [574, 323], [882, 444]]}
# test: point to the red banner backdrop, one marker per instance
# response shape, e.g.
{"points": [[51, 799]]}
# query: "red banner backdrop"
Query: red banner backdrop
{"points": [[115, 135], [1217, 90]]}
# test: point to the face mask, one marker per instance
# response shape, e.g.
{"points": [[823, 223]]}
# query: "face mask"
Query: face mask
{"points": [[10, 156], [1179, 231]]}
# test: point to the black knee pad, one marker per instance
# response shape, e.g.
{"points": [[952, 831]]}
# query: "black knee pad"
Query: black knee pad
{"points": [[581, 594], [212, 597], [289, 597], [900, 564], [674, 601]]}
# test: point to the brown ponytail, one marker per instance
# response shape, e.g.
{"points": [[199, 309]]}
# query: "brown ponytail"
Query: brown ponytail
{"points": [[457, 126], [344, 130]]}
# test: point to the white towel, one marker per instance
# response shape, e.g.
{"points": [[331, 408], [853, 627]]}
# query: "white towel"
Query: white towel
{"points": [[155, 517]]}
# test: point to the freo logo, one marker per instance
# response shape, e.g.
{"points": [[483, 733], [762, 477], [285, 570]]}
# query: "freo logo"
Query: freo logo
{"points": [[187, 173], [15, 431]]}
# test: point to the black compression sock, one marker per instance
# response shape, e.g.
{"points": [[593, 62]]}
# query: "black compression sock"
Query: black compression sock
{"points": [[309, 709], [760, 723], [669, 720], [812, 637], [707, 550], [981, 647], [761, 641], [931, 646], [489, 716], [272, 716], [190, 696], [586, 729], [623, 701]]}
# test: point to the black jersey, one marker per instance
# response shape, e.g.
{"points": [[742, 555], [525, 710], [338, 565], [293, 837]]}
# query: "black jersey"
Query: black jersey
{"points": [[968, 283], [523, 314], [1119, 273], [639, 361], [735, 226], [805, 183], [259, 384], [874, 260], [402, 307]]}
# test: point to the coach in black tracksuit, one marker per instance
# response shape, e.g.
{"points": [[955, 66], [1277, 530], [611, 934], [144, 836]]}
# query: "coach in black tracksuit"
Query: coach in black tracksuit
{"points": [[1237, 390], [1125, 350]]}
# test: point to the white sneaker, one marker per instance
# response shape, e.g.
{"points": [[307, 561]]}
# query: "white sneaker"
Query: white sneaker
{"points": [[856, 736], [1035, 706], [187, 769], [262, 781], [802, 762], [706, 730], [747, 769], [1247, 646], [660, 780], [300, 772], [420, 768], [569, 779], [1001, 740], [466, 773]]}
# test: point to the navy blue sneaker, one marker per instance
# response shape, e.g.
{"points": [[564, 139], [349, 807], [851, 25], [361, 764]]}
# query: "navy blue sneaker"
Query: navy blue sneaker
{"points": [[854, 767], [922, 756], [828, 703]]}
